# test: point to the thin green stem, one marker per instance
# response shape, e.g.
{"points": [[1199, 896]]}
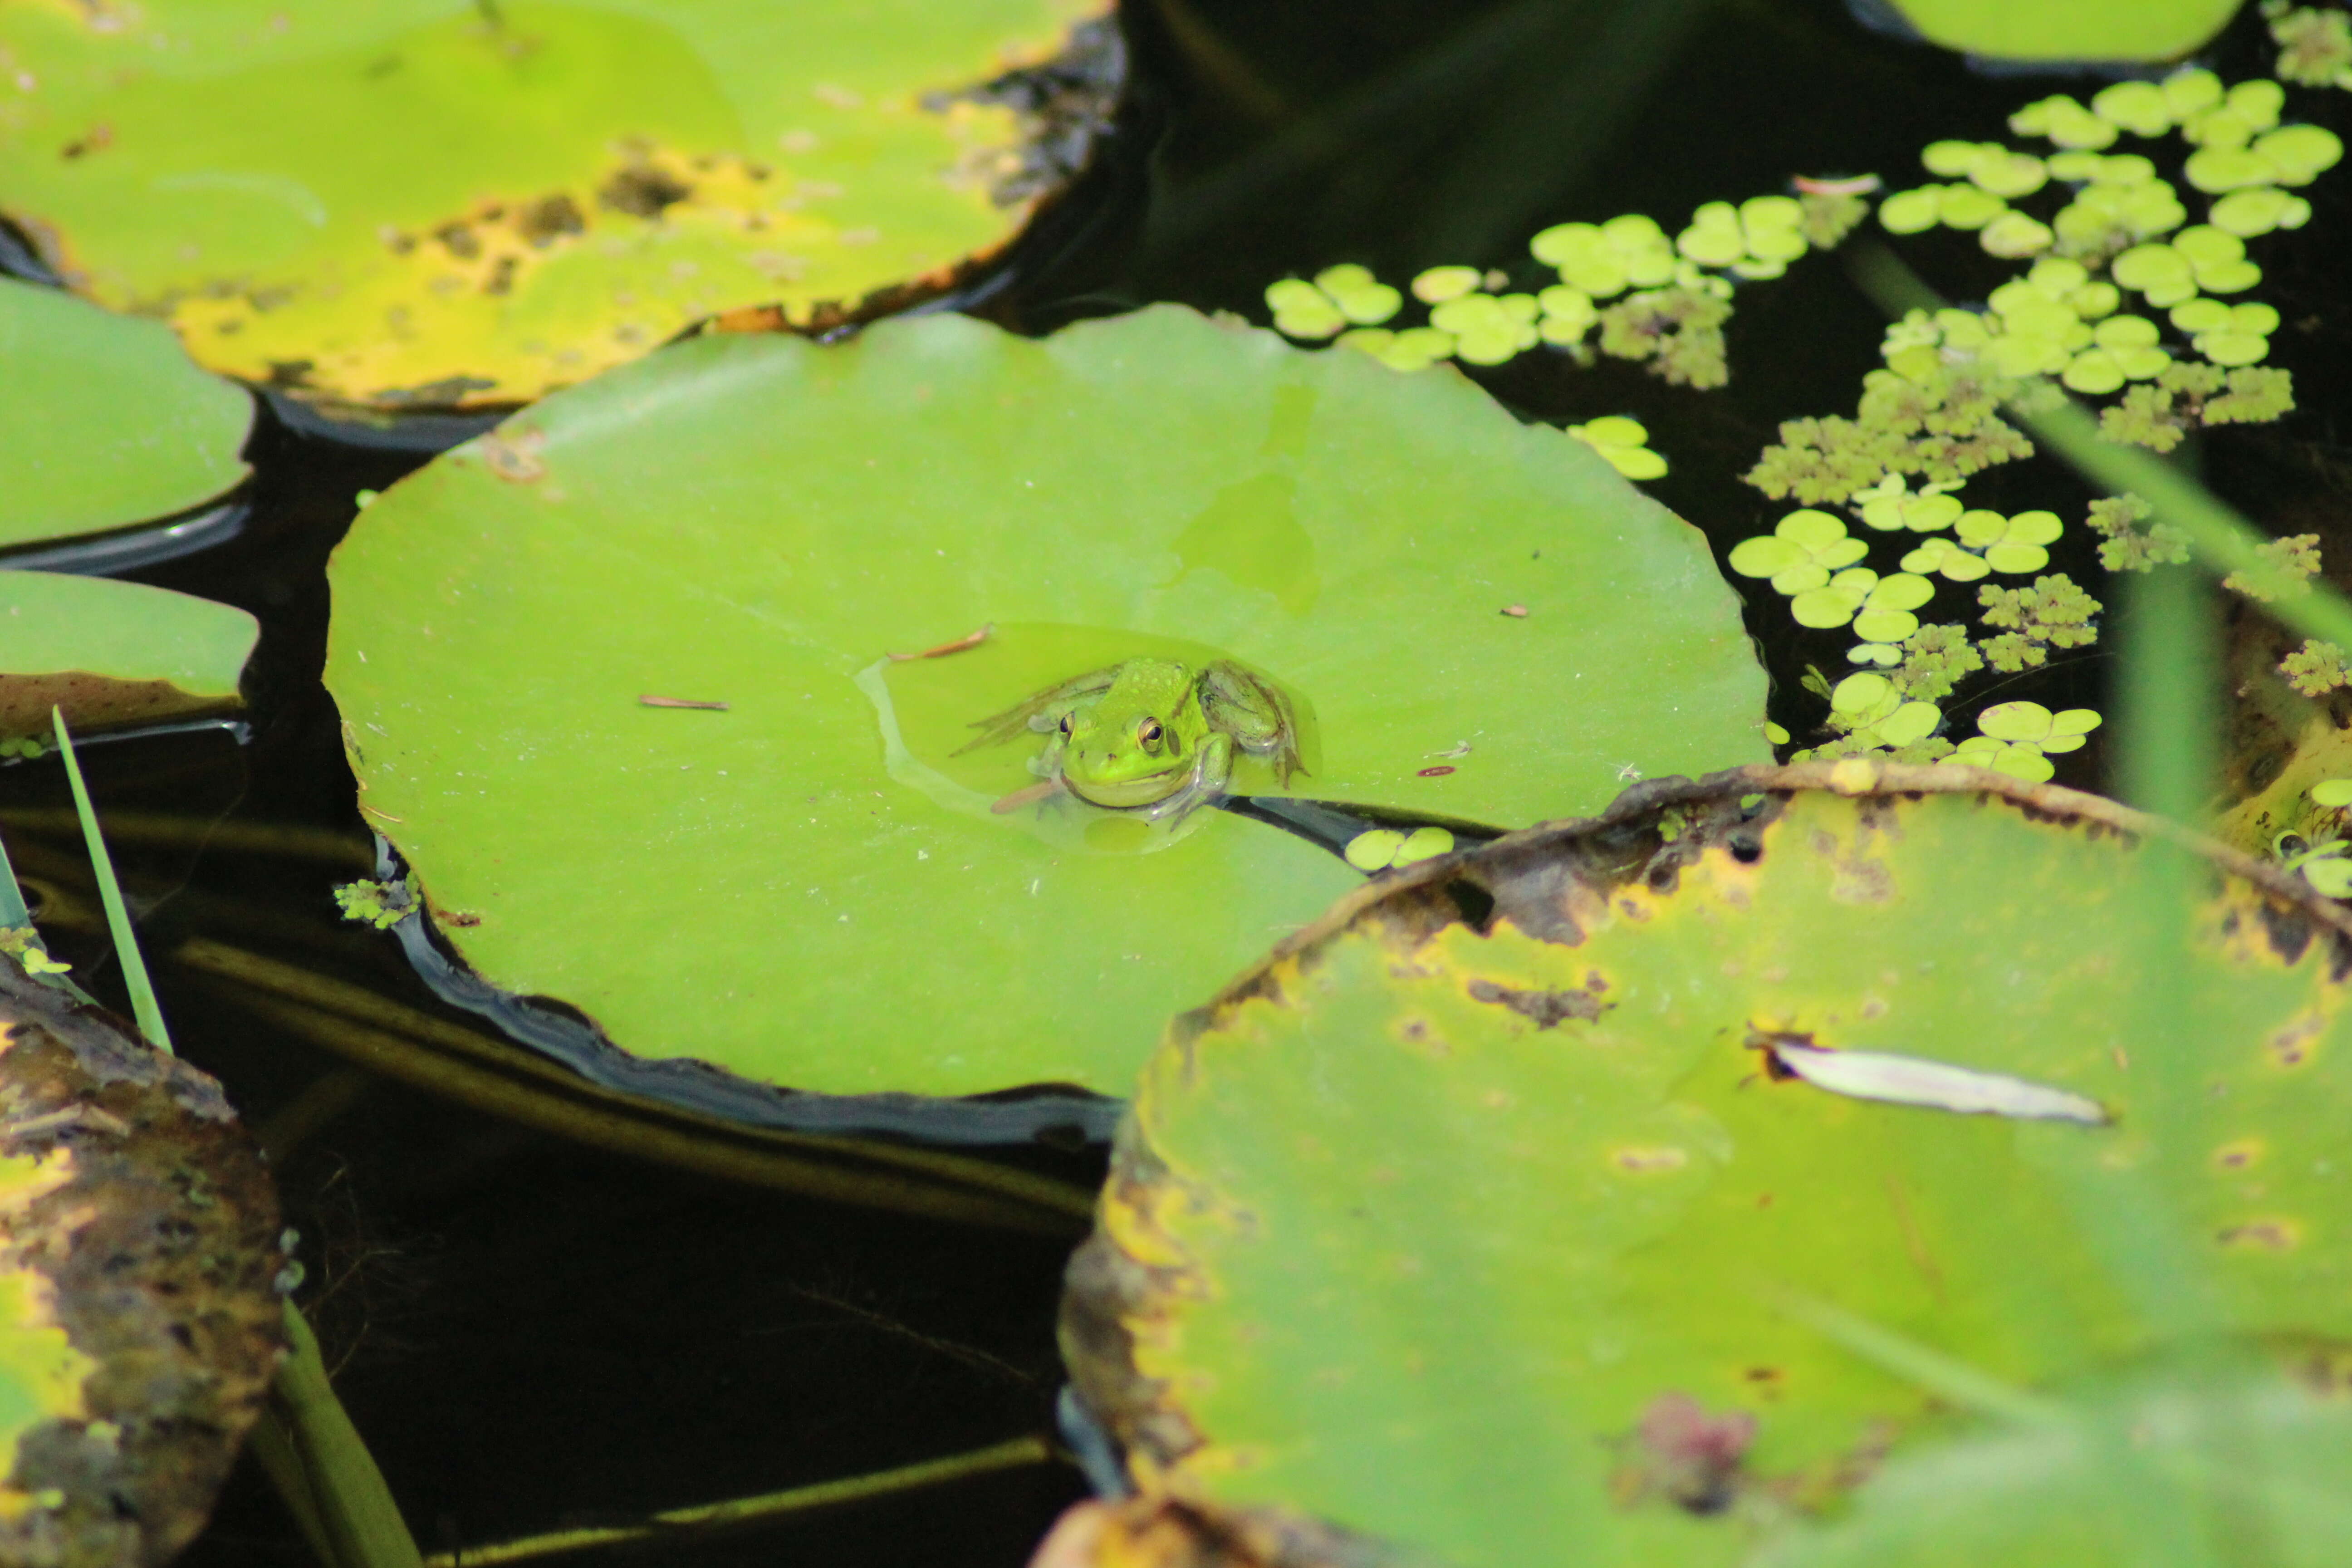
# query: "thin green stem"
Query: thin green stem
{"points": [[109, 892], [503, 1081], [313, 1455], [289, 839], [1018, 1452]]}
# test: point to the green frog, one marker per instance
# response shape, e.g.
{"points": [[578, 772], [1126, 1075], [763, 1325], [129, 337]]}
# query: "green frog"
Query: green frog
{"points": [[1150, 735]]}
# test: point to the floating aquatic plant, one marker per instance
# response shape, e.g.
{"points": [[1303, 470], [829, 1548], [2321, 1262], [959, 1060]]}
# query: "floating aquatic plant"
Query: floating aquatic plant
{"points": [[2315, 44], [2019, 738], [1624, 442], [2314, 669], [1626, 285], [2054, 613]]}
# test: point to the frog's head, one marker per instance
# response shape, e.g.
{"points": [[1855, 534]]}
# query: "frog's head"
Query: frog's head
{"points": [[1139, 743]]}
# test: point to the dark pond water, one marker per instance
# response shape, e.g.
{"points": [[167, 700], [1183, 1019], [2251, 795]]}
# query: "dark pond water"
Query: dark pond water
{"points": [[532, 1334]]}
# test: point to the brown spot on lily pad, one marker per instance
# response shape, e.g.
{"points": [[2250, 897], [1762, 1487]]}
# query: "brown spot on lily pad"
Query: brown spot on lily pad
{"points": [[2262, 1235], [641, 190], [517, 460], [1547, 1008]]}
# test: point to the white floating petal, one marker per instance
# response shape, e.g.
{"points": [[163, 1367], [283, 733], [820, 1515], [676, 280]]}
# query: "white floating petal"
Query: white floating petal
{"points": [[1936, 1086]]}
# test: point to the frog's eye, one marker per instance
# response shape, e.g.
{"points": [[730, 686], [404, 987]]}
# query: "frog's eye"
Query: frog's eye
{"points": [[1066, 724], [1148, 732]]}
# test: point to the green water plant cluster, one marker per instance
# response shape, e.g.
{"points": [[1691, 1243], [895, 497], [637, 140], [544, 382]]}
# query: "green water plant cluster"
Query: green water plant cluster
{"points": [[1624, 286], [2124, 296], [2120, 298], [2315, 44]]}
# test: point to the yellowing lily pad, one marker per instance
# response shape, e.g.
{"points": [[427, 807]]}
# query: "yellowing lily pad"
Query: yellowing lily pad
{"points": [[1559, 1204], [139, 1313], [105, 423], [112, 653], [815, 887], [428, 201]]}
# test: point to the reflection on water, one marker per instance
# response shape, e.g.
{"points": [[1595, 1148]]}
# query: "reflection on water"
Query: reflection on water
{"points": [[927, 708]]}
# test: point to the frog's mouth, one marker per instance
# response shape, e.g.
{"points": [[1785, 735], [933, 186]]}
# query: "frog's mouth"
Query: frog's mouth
{"points": [[1127, 793]]}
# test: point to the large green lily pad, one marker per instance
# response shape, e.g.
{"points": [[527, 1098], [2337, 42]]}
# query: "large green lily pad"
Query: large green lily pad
{"points": [[1536, 1234], [811, 889], [112, 653], [427, 201], [139, 1307], [2074, 31], [106, 423]]}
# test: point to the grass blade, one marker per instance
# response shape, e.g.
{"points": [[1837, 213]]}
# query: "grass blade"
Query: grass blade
{"points": [[118, 916]]}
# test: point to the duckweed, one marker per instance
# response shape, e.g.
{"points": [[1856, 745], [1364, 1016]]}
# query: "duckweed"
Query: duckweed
{"points": [[1869, 709], [1415, 348], [2064, 122], [2335, 794], [2288, 565], [1567, 314], [1363, 298], [2031, 724], [1488, 329], [2259, 210], [2012, 544], [2054, 613], [1890, 505], [1440, 284], [1800, 553], [2129, 542], [1605, 259], [1936, 660], [1379, 848], [2138, 107], [1679, 330], [1945, 559], [2227, 335], [1625, 442], [2315, 669], [2299, 153], [2019, 738], [2114, 210], [1303, 310], [2315, 44]]}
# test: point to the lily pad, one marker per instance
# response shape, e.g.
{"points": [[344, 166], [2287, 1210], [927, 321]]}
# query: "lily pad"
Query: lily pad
{"points": [[2080, 30], [811, 888], [1509, 1215], [139, 1312], [106, 424], [112, 653], [431, 203]]}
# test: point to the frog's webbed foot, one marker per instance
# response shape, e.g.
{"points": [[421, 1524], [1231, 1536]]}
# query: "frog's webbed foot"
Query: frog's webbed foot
{"points": [[1027, 713], [1255, 714]]}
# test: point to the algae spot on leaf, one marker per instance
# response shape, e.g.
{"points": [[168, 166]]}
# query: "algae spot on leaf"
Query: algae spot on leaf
{"points": [[1526, 1289], [825, 866]]}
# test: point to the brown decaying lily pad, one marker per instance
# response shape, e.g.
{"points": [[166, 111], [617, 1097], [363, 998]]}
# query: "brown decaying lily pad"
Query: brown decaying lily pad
{"points": [[157, 1254]]}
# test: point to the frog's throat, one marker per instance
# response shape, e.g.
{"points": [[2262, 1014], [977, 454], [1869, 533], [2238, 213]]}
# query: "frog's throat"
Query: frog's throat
{"points": [[1127, 793]]}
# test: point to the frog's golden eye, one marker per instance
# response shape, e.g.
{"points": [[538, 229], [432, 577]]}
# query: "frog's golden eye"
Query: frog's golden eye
{"points": [[1148, 732], [1066, 724]]}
